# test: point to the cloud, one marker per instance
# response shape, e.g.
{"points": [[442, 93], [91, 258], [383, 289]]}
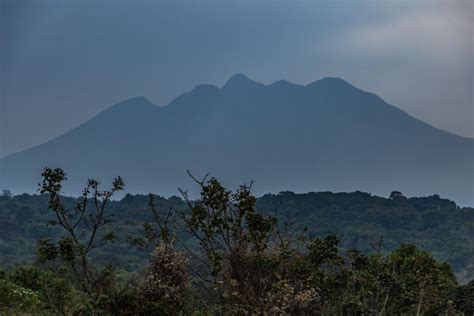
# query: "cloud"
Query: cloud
{"points": [[419, 58], [440, 35]]}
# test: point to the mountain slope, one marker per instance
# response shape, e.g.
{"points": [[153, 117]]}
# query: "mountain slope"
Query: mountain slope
{"points": [[327, 135]]}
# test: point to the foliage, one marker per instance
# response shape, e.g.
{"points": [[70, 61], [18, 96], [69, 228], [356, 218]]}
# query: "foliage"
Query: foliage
{"points": [[84, 227], [225, 254], [462, 299], [434, 224], [31, 289], [14, 298], [244, 272], [164, 282], [250, 266]]}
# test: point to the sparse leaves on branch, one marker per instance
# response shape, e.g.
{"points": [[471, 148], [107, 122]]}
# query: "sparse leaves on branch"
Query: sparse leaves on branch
{"points": [[84, 225]]}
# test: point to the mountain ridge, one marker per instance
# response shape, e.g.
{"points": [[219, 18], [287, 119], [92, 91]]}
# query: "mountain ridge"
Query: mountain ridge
{"points": [[326, 135]]}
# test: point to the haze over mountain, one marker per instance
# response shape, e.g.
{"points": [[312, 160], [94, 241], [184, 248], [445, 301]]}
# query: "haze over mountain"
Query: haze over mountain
{"points": [[327, 135]]}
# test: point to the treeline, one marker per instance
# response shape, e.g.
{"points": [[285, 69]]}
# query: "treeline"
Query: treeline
{"points": [[359, 219], [226, 253], [431, 223]]}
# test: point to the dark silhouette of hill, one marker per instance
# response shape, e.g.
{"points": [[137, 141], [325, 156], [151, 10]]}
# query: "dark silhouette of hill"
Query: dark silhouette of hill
{"points": [[327, 135]]}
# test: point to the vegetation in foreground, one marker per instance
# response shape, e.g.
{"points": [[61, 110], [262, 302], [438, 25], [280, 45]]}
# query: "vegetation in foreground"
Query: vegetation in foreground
{"points": [[431, 223], [235, 260]]}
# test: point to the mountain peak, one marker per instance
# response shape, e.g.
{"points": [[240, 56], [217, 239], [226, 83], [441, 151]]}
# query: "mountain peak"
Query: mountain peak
{"points": [[238, 77], [138, 101], [239, 80], [284, 84], [135, 105], [335, 80], [331, 82], [299, 132]]}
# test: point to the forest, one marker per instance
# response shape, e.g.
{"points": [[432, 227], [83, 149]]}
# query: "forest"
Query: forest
{"points": [[228, 252]]}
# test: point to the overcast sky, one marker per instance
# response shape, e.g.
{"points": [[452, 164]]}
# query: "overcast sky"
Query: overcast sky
{"points": [[62, 62]]}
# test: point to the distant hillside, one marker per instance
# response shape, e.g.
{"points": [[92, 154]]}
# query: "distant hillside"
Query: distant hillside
{"points": [[327, 135], [358, 219]]}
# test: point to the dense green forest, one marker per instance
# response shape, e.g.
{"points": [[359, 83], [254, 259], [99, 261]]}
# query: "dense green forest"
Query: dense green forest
{"points": [[359, 219], [230, 253]]}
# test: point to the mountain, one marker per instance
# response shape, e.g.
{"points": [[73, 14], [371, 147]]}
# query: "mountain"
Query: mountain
{"points": [[327, 135]]}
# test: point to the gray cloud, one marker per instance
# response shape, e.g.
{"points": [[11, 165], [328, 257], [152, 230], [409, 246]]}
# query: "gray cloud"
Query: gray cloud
{"points": [[426, 62]]}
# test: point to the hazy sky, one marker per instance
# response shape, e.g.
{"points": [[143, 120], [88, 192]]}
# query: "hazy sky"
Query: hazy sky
{"points": [[62, 62]]}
